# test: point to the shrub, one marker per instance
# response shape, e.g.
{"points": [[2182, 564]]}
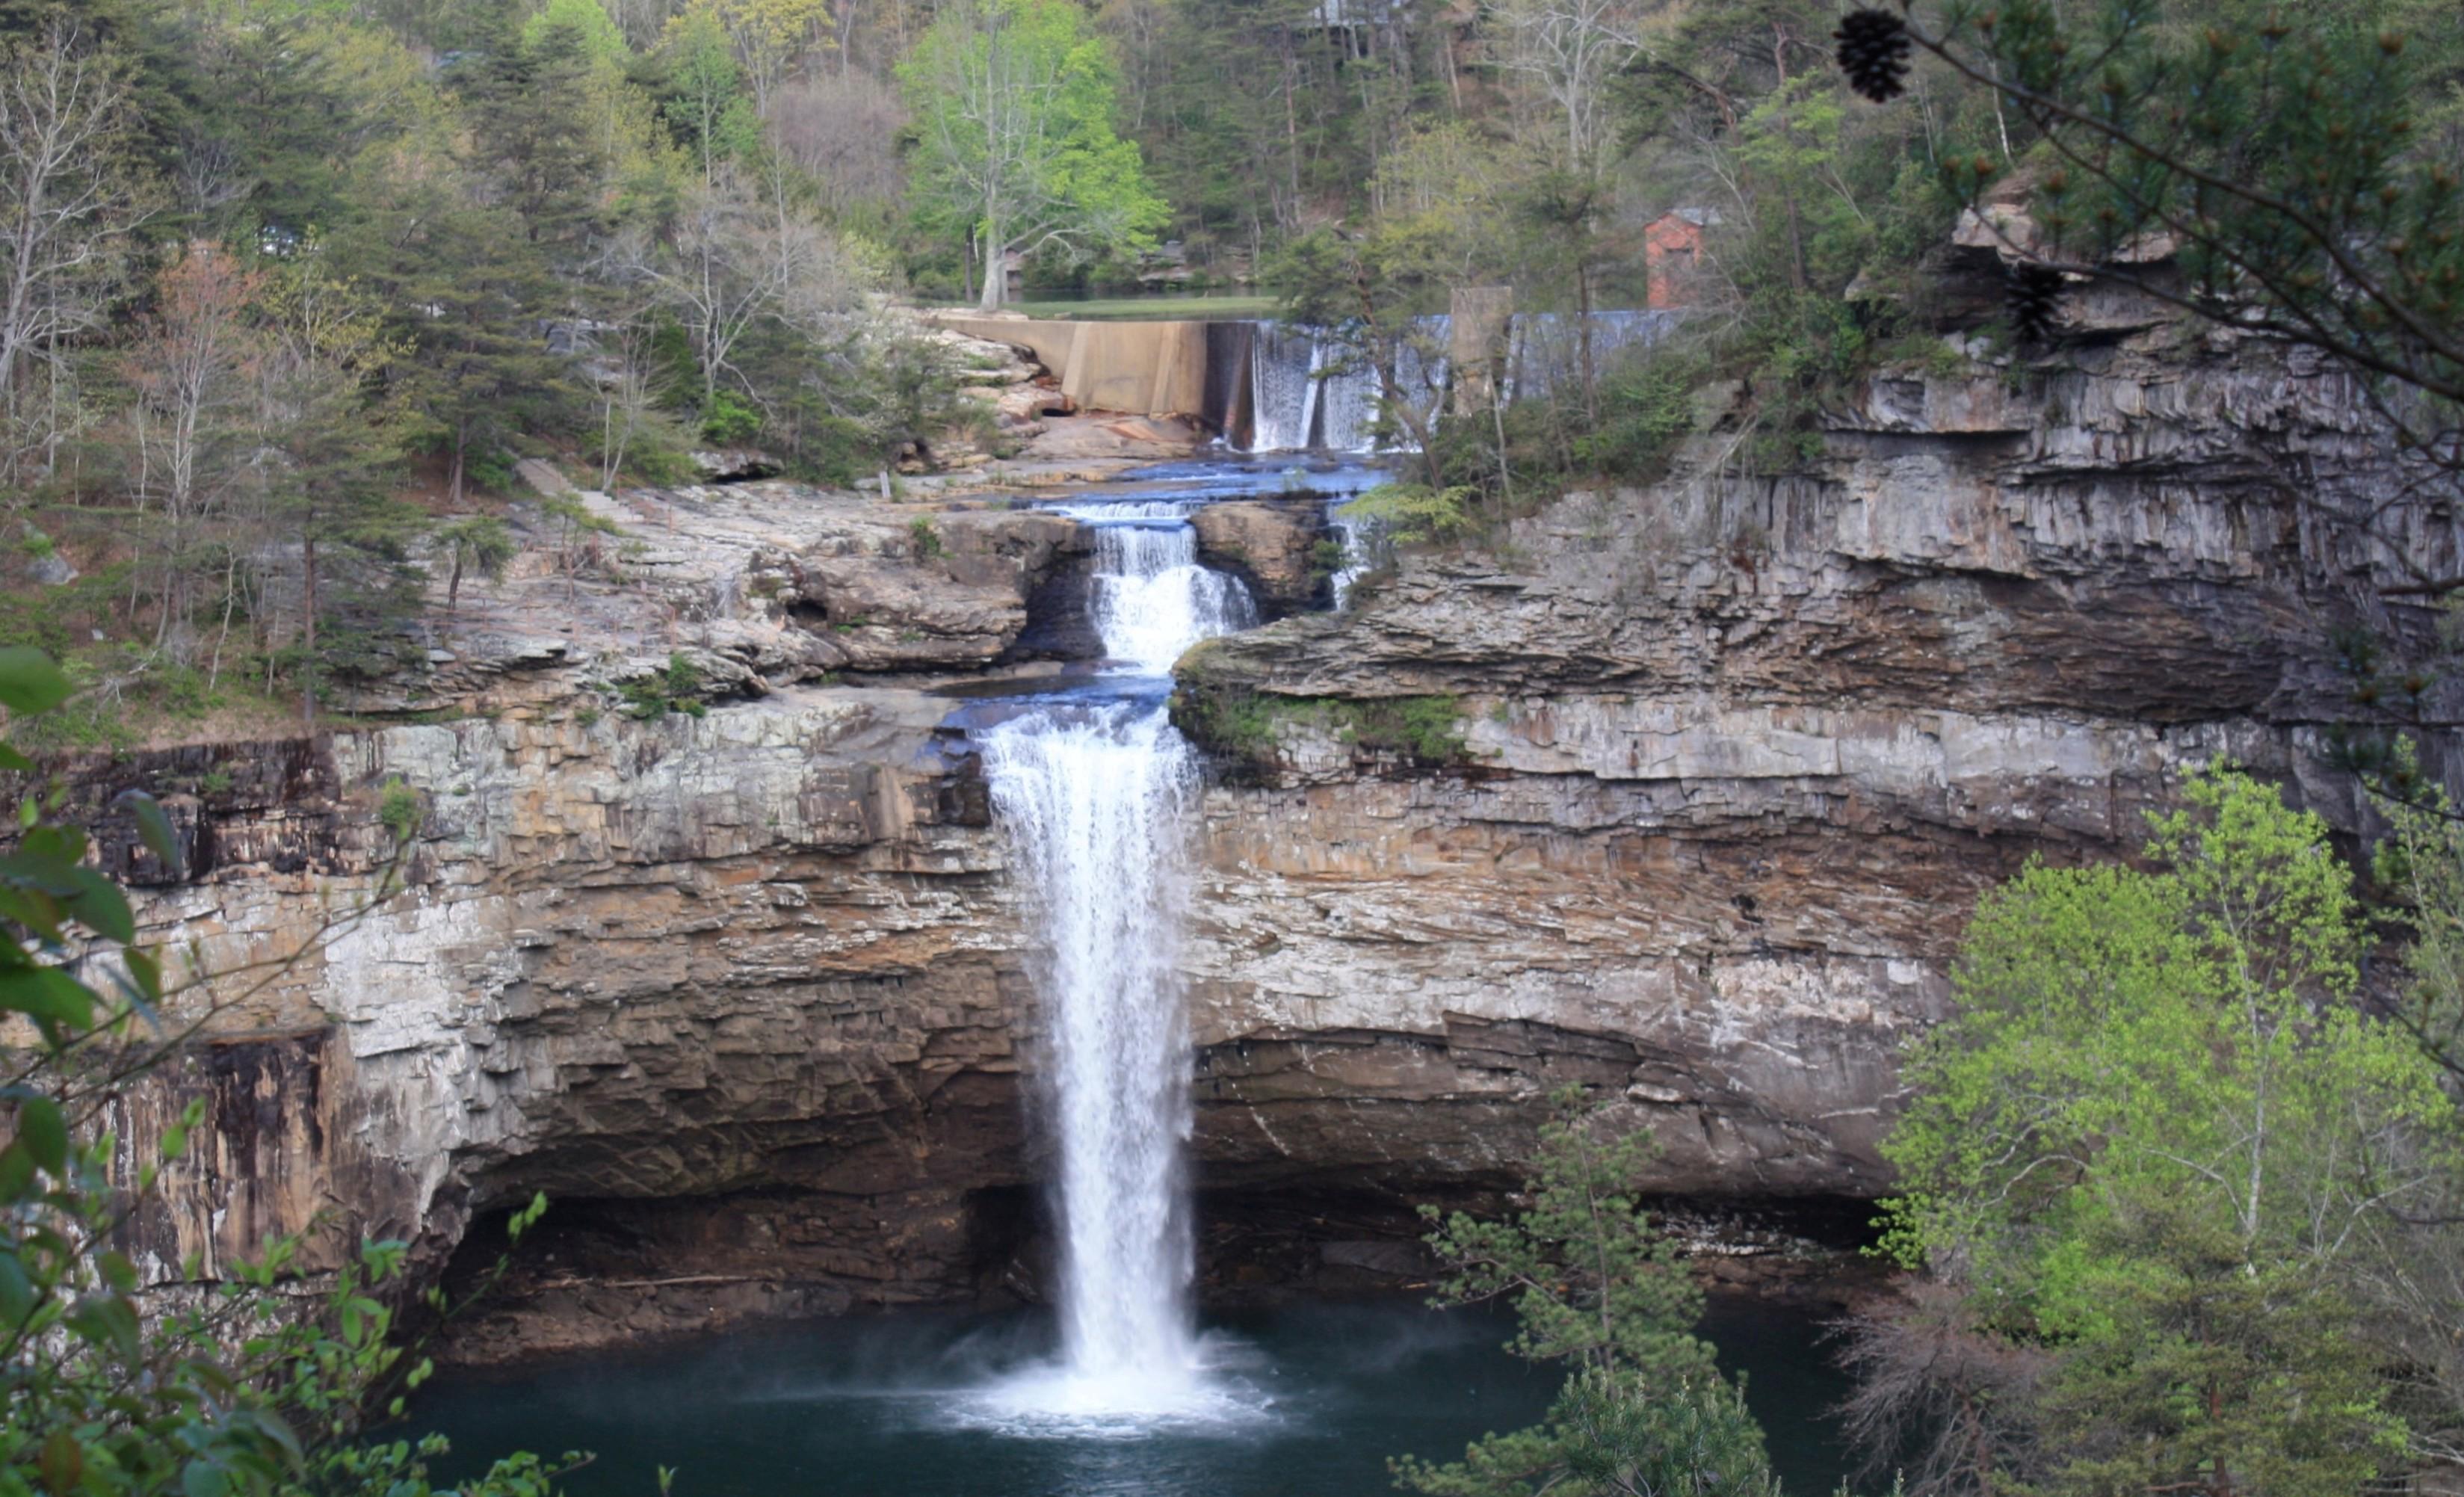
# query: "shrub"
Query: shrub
{"points": [[398, 809], [1412, 512], [1645, 408], [677, 687], [1426, 729], [730, 418]]}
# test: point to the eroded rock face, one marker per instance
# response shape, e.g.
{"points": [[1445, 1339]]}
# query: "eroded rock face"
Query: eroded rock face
{"points": [[1271, 545], [1731, 761]]}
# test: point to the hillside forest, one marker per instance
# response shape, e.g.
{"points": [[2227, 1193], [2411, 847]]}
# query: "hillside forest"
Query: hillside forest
{"points": [[292, 285]]}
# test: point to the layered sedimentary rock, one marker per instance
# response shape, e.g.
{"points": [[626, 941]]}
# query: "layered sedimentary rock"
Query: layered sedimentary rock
{"points": [[1682, 793], [1273, 545]]}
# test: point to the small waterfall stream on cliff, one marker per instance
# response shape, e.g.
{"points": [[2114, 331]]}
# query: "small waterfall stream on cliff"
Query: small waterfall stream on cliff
{"points": [[1092, 796]]}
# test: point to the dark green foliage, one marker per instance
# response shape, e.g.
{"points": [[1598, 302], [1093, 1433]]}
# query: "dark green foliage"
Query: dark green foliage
{"points": [[1647, 405], [1643, 1410], [2295, 156], [675, 687], [524, 93], [466, 281], [1232, 722], [399, 809], [1426, 730], [729, 418], [1246, 726]]}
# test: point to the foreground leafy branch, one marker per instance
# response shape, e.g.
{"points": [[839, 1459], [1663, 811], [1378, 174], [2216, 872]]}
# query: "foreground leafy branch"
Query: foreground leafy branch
{"points": [[255, 1384]]}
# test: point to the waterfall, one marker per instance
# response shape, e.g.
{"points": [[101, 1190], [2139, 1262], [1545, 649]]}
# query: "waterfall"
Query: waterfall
{"points": [[1350, 402], [1094, 798], [1283, 388], [1362, 539], [1092, 801], [1295, 405], [1152, 599]]}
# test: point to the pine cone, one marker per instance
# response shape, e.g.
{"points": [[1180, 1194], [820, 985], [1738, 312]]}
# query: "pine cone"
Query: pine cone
{"points": [[2034, 293], [1874, 53]]}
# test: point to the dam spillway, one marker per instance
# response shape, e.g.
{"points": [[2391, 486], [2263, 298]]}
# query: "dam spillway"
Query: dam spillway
{"points": [[1270, 386]]}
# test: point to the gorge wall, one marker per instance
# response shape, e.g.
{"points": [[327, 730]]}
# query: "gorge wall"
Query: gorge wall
{"points": [[745, 992]]}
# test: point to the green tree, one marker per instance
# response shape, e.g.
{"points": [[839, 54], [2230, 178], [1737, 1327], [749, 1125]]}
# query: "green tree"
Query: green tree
{"points": [[335, 440], [2153, 1141], [702, 94], [1013, 101], [2299, 162], [476, 543], [1593, 1284], [526, 101], [466, 290]]}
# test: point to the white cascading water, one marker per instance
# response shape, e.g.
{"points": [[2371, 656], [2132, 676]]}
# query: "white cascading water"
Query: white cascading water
{"points": [[1282, 387], [1350, 401], [1295, 404], [1093, 797], [1152, 600], [1092, 801]]}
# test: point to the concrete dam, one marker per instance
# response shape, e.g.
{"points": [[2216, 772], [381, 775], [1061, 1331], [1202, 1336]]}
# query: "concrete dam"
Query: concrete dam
{"points": [[1270, 387]]}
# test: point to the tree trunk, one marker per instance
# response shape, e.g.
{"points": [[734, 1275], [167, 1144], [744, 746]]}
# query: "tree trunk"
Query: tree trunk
{"points": [[1583, 328], [308, 614], [996, 264]]}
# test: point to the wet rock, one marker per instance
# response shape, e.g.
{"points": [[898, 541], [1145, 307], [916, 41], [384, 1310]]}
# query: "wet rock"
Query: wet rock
{"points": [[1269, 544]]}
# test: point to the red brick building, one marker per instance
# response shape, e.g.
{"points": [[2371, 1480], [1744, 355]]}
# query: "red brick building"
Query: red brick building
{"points": [[1672, 251]]}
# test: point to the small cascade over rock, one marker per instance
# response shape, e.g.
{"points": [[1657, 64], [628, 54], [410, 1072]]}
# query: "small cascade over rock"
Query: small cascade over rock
{"points": [[1152, 598]]}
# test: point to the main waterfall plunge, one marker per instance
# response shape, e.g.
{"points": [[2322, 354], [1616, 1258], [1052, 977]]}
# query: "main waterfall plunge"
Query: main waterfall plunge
{"points": [[1094, 796], [1116, 1385]]}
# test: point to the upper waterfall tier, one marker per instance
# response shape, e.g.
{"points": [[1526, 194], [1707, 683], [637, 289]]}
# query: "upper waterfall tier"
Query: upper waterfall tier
{"points": [[1152, 598]]}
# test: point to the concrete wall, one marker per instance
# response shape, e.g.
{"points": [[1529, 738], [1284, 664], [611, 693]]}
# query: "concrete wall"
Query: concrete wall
{"points": [[1146, 368]]}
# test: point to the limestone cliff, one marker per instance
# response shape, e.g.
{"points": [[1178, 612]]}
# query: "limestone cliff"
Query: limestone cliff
{"points": [[1699, 783]]}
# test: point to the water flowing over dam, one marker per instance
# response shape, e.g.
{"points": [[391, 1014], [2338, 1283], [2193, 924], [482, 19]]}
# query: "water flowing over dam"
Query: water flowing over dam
{"points": [[1274, 386]]}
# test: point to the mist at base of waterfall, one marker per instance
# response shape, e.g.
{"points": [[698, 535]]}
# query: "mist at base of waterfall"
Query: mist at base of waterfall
{"points": [[1314, 1397]]}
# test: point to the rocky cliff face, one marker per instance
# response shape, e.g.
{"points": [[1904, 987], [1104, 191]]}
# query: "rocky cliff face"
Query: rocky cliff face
{"points": [[1692, 788]]}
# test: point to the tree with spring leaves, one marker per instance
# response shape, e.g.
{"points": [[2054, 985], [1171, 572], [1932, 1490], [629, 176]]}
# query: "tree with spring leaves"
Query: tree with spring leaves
{"points": [[1013, 101], [1644, 1412], [2149, 1163]]}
